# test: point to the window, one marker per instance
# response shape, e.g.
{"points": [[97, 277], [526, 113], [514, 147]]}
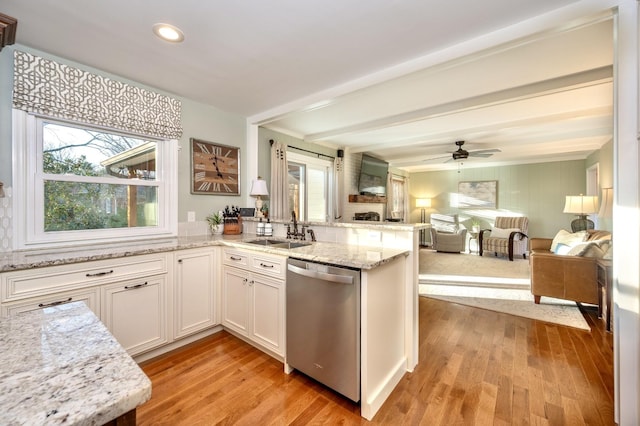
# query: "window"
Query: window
{"points": [[397, 196], [310, 183], [80, 183]]}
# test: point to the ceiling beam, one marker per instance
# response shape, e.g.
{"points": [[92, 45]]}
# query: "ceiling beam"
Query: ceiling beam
{"points": [[559, 84]]}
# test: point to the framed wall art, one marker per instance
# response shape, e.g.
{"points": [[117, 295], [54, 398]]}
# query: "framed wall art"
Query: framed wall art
{"points": [[215, 168], [478, 194]]}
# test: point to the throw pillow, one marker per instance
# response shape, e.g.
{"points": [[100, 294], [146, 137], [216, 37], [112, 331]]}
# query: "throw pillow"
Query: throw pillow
{"points": [[504, 233], [568, 239], [588, 249], [561, 249]]}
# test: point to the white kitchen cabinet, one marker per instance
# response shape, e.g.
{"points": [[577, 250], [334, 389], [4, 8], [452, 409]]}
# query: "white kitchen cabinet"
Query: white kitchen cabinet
{"points": [[18, 285], [194, 291], [266, 305], [135, 311], [253, 297], [235, 299], [90, 296]]}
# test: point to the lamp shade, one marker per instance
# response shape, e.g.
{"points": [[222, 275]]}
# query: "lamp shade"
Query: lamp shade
{"points": [[581, 204], [258, 188], [423, 202], [606, 207]]}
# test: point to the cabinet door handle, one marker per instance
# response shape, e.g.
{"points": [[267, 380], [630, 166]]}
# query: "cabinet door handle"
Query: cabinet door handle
{"points": [[265, 265], [179, 260], [100, 274], [235, 258], [251, 282], [56, 303], [132, 287]]}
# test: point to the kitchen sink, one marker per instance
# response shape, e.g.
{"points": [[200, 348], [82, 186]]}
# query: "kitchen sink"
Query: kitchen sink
{"points": [[278, 243], [266, 242]]}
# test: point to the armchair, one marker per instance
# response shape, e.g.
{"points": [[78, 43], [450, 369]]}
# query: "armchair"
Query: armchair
{"points": [[446, 233], [508, 236]]}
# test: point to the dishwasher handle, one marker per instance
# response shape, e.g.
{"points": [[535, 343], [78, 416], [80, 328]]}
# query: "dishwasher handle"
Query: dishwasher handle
{"points": [[342, 279]]}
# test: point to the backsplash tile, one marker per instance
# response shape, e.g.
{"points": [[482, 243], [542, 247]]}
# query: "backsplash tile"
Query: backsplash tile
{"points": [[6, 216]]}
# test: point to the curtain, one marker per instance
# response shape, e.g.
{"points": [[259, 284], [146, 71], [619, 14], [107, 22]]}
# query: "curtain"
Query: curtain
{"points": [[46, 87], [338, 177], [279, 183], [390, 195], [405, 207], [398, 197]]}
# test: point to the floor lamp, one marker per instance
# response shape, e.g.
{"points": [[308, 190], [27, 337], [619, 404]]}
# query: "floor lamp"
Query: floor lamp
{"points": [[423, 203]]}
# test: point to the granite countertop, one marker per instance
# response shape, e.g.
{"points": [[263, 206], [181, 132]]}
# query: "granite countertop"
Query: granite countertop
{"points": [[384, 226], [61, 365], [362, 257]]}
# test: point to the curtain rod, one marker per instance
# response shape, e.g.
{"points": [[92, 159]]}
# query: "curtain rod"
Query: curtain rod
{"points": [[271, 141]]}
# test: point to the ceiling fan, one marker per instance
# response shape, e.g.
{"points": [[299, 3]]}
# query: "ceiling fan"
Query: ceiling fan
{"points": [[463, 154]]}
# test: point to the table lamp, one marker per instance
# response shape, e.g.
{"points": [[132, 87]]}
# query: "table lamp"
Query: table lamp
{"points": [[581, 205], [258, 189]]}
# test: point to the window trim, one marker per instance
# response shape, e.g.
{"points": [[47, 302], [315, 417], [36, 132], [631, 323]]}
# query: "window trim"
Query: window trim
{"points": [[307, 160], [29, 233]]}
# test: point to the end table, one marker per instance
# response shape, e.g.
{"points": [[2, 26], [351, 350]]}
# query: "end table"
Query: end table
{"points": [[605, 281]]}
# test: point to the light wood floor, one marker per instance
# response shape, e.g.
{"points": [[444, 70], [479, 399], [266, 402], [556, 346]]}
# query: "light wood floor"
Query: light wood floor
{"points": [[476, 367]]}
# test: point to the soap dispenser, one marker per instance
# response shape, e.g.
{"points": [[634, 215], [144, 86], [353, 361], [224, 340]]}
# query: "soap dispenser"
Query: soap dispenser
{"points": [[268, 228], [260, 228]]}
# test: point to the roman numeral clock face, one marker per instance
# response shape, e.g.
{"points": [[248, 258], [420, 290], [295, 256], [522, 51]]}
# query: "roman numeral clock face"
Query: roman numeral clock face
{"points": [[215, 168]]}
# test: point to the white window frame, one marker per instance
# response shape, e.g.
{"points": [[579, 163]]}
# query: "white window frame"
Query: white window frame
{"points": [[293, 157], [401, 181], [28, 184]]}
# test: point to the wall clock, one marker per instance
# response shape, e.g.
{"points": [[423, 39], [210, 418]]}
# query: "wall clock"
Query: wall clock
{"points": [[215, 168]]}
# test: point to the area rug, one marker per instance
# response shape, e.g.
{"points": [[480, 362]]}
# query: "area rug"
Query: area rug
{"points": [[511, 301], [452, 268], [492, 283]]}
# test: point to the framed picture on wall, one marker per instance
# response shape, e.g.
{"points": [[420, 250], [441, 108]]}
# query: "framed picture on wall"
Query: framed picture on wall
{"points": [[478, 194], [215, 168]]}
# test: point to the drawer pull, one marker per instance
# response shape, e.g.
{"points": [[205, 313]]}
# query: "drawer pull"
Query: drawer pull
{"points": [[100, 274], [265, 265], [59, 302], [235, 258], [133, 287]]}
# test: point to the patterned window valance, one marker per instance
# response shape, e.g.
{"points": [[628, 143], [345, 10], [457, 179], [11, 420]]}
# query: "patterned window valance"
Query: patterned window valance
{"points": [[46, 87]]}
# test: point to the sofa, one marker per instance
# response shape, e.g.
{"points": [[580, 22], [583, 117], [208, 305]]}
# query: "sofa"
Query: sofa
{"points": [[565, 267], [447, 235]]}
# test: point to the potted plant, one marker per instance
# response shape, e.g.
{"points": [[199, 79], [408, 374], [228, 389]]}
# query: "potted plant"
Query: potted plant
{"points": [[215, 221], [475, 225]]}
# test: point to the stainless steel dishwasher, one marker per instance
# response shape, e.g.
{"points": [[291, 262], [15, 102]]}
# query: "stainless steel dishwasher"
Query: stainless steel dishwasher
{"points": [[323, 324]]}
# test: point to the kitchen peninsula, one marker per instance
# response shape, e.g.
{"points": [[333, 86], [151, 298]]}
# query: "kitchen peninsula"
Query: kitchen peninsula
{"points": [[98, 274], [60, 365]]}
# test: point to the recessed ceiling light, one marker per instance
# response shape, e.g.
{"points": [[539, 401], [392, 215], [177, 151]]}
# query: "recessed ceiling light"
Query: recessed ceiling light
{"points": [[168, 32]]}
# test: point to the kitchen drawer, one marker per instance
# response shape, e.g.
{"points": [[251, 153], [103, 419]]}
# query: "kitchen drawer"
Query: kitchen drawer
{"points": [[89, 296], [238, 258], [19, 285], [275, 266]]}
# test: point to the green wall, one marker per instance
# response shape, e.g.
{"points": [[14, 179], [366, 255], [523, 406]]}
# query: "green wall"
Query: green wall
{"points": [[264, 149], [199, 121], [535, 190]]}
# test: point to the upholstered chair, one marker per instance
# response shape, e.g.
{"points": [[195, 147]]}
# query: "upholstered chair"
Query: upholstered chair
{"points": [[508, 236], [447, 235]]}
